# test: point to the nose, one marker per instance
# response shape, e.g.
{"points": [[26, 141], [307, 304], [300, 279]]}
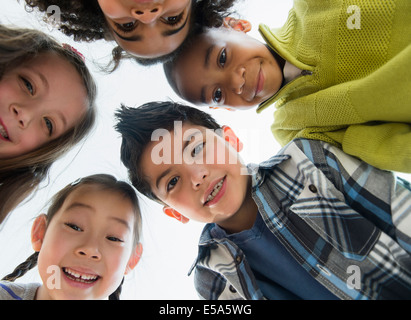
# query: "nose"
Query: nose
{"points": [[148, 14], [88, 250], [198, 176], [237, 80], [22, 116]]}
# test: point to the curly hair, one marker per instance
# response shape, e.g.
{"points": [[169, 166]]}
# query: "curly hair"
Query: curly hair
{"points": [[84, 21]]}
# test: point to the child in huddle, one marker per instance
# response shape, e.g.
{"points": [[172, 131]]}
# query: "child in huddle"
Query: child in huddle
{"points": [[295, 227], [336, 73], [47, 100], [148, 32], [84, 245]]}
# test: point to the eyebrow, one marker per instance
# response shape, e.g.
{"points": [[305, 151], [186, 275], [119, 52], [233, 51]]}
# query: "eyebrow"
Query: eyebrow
{"points": [[133, 38], [206, 65], [161, 176], [174, 31], [166, 33], [43, 80], [62, 117], [186, 142], [207, 56], [123, 222], [79, 205], [86, 206]]}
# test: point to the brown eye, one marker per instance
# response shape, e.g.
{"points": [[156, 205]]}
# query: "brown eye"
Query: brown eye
{"points": [[173, 20], [172, 183], [28, 85], [126, 27], [222, 58], [49, 125], [217, 96]]}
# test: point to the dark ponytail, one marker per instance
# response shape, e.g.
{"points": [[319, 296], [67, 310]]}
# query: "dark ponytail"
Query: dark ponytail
{"points": [[116, 294], [22, 268]]}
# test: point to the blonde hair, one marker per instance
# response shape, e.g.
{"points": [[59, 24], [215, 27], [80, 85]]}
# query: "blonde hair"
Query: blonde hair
{"points": [[21, 175]]}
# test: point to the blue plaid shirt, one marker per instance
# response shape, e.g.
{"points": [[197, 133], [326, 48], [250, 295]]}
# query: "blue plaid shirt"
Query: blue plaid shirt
{"points": [[347, 224]]}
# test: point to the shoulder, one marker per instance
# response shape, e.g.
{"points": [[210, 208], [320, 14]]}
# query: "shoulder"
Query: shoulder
{"points": [[17, 291]]}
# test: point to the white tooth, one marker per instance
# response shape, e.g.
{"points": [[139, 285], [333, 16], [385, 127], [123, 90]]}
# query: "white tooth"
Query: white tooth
{"points": [[215, 190], [3, 132], [80, 277]]}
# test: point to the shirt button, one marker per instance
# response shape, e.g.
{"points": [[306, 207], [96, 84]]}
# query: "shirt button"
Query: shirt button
{"points": [[232, 289], [312, 188]]}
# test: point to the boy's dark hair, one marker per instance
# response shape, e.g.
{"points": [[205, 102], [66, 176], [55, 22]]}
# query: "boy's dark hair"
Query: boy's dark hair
{"points": [[84, 21], [136, 126]]}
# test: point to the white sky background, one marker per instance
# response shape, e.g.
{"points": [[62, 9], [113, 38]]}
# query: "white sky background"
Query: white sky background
{"points": [[169, 247]]}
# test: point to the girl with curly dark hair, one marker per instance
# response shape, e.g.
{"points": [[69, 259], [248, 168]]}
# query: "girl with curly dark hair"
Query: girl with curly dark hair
{"points": [[149, 31]]}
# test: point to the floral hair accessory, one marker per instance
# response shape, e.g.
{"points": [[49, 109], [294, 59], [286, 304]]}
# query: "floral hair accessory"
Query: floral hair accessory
{"points": [[72, 49]]}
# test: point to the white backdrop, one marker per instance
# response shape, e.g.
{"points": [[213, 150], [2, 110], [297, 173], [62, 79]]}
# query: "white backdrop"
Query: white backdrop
{"points": [[169, 247]]}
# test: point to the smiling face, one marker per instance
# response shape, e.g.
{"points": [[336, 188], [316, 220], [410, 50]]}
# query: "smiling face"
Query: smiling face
{"points": [[148, 29], [200, 176], [39, 101], [237, 70], [88, 243]]}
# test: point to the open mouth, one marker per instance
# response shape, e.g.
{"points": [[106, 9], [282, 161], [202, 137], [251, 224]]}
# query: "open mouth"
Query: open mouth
{"points": [[3, 132], [80, 277], [215, 191]]}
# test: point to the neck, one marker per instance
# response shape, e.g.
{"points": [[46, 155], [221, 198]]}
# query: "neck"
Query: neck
{"points": [[289, 70], [280, 61]]}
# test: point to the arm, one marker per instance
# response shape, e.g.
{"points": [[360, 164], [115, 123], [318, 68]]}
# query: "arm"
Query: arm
{"points": [[377, 195], [368, 118], [383, 145]]}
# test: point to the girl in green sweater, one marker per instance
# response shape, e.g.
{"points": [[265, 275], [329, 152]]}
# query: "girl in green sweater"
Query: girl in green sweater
{"points": [[336, 71]]}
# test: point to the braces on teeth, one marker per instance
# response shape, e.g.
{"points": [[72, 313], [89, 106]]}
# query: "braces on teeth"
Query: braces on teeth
{"points": [[3, 132]]}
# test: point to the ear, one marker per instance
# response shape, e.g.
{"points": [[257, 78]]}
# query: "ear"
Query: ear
{"points": [[232, 138], [135, 258], [237, 24], [38, 230], [175, 214]]}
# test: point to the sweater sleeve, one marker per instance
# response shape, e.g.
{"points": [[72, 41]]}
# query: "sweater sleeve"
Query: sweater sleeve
{"points": [[383, 100], [383, 145], [368, 118]]}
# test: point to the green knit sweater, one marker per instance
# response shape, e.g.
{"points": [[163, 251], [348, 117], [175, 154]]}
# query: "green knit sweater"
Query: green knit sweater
{"points": [[357, 91]]}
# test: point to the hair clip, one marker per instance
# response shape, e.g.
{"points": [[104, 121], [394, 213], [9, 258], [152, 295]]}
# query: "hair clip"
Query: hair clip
{"points": [[222, 108], [72, 49], [75, 182]]}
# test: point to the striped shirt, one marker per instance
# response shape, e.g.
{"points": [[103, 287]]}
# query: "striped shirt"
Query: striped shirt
{"points": [[18, 291], [345, 222]]}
